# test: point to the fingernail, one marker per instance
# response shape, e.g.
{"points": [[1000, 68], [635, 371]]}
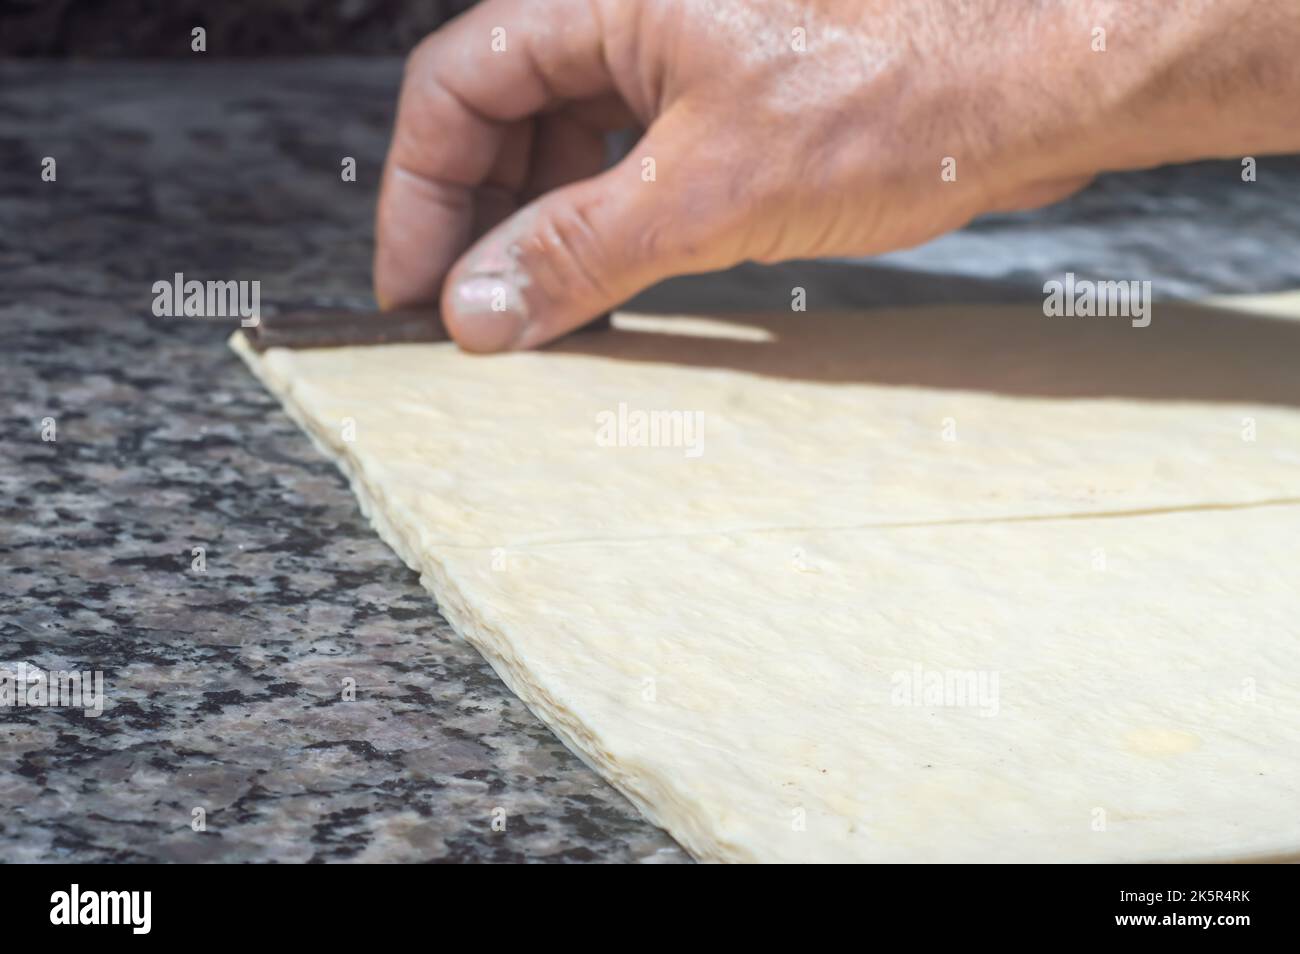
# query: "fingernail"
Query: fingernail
{"points": [[492, 313]]}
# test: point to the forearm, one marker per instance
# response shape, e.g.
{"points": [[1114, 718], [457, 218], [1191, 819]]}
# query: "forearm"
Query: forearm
{"points": [[1180, 81]]}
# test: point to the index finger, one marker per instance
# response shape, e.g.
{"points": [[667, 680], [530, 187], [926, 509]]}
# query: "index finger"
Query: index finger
{"points": [[502, 61]]}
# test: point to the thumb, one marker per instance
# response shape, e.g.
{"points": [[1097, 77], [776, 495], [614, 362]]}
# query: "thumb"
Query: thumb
{"points": [[568, 257]]}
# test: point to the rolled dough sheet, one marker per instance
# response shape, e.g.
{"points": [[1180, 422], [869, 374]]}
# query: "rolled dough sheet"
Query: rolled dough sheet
{"points": [[939, 586]]}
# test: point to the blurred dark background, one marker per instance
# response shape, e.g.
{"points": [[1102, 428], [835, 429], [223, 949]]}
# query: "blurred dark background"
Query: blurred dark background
{"points": [[106, 29]]}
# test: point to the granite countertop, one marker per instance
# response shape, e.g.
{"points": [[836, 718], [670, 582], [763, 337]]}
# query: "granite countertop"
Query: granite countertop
{"points": [[225, 687]]}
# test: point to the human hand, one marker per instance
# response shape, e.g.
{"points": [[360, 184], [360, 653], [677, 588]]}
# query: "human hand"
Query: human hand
{"points": [[775, 129]]}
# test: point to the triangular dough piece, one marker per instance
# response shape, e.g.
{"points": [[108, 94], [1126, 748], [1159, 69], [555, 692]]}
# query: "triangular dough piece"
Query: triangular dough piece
{"points": [[1067, 634]]}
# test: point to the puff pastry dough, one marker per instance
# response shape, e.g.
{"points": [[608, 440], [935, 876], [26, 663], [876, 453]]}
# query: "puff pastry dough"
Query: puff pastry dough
{"points": [[940, 584]]}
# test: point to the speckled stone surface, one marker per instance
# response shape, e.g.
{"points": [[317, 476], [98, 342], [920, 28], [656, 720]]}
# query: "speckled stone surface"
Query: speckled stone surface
{"points": [[225, 687]]}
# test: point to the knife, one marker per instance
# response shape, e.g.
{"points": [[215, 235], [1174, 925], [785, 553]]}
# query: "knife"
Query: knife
{"points": [[341, 328]]}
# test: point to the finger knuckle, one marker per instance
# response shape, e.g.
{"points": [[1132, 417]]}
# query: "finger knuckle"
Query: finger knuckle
{"points": [[570, 255]]}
